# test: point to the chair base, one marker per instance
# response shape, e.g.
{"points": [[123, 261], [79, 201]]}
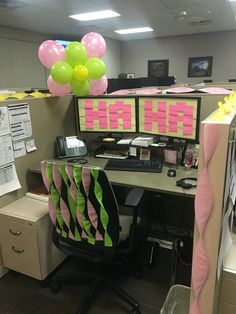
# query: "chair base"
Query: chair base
{"points": [[100, 283]]}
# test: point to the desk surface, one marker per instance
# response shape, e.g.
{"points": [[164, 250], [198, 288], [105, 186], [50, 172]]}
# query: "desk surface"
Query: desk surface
{"points": [[158, 182]]}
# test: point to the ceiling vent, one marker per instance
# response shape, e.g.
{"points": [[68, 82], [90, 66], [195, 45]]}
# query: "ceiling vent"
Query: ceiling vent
{"points": [[12, 4], [201, 22]]}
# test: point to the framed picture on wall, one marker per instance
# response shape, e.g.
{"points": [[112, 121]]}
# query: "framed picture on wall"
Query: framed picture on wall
{"points": [[158, 67], [199, 66]]}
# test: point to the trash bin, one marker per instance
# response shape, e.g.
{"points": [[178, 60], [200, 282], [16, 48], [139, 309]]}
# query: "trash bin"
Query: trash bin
{"points": [[177, 300]]}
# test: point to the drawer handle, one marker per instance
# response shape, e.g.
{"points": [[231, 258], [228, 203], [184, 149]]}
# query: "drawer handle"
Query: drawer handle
{"points": [[15, 233], [17, 251]]}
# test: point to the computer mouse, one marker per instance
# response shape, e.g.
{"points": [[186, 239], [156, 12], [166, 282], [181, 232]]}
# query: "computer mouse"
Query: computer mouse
{"points": [[171, 172]]}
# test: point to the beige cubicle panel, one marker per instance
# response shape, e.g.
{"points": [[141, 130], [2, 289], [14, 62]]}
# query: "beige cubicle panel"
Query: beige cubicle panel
{"points": [[216, 169], [50, 116]]}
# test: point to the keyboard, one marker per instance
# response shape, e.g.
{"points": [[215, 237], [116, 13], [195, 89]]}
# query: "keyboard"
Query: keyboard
{"points": [[134, 165]]}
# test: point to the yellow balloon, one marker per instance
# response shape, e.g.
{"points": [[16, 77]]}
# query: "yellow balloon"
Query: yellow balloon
{"points": [[80, 72]]}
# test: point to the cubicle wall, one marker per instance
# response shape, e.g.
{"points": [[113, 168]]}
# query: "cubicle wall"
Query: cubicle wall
{"points": [[212, 199], [50, 117], [54, 116]]}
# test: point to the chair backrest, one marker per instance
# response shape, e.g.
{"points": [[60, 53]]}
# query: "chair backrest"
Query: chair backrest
{"points": [[82, 205]]}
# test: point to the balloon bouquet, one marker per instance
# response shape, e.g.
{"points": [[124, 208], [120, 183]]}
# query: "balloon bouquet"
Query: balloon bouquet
{"points": [[77, 68]]}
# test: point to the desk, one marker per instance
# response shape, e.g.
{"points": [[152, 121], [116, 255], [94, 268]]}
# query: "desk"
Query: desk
{"points": [[175, 198], [157, 182]]}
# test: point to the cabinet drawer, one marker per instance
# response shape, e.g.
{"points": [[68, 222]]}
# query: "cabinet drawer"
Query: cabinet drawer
{"points": [[21, 257], [227, 308], [16, 230]]}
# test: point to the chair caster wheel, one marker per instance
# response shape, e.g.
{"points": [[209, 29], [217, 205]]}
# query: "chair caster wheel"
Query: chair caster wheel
{"points": [[135, 311], [44, 283], [55, 287]]}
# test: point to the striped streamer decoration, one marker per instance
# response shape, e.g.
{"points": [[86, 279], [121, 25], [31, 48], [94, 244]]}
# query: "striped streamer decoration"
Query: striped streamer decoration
{"points": [[77, 204], [203, 207]]}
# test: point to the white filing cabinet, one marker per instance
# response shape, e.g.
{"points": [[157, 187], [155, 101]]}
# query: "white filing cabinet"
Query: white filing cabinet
{"points": [[228, 283], [25, 238]]}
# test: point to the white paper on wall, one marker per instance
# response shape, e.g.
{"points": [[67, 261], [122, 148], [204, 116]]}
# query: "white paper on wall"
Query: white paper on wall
{"points": [[6, 150], [4, 121], [8, 179], [19, 148], [20, 121]]}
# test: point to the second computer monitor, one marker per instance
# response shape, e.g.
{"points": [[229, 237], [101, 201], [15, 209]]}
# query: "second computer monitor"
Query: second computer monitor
{"points": [[175, 117]]}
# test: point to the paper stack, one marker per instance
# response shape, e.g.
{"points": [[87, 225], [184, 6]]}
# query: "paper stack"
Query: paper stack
{"points": [[143, 141]]}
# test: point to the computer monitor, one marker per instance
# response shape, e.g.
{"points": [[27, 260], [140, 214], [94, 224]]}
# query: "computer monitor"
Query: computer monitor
{"points": [[174, 117], [107, 114]]}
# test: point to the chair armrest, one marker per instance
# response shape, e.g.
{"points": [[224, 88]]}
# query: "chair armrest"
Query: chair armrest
{"points": [[134, 197]]}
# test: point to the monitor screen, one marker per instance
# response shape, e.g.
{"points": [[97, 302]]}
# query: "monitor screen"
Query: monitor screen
{"points": [[64, 43], [170, 116], [106, 114]]}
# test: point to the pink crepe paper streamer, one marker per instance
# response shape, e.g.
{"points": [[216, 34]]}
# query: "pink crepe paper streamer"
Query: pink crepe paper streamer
{"points": [[199, 268], [215, 90], [203, 201], [211, 138], [203, 206], [194, 309]]}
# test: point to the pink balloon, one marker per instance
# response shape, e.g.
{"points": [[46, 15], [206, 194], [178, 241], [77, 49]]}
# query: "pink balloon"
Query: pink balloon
{"points": [[58, 89], [50, 52], [95, 44], [98, 87]]}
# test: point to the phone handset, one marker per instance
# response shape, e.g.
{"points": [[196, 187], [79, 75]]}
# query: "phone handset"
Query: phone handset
{"points": [[61, 146], [70, 146]]}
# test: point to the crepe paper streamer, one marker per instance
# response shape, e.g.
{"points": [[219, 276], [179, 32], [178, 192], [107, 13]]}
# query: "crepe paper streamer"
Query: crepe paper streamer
{"points": [[211, 138], [215, 90], [148, 91], [179, 90], [203, 207], [203, 201], [4, 97]]}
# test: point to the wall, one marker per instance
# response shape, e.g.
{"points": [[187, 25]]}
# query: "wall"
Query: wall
{"points": [[112, 58], [19, 63], [221, 45]]}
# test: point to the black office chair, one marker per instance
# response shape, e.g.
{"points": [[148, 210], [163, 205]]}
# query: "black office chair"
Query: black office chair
{"points": [[87, 223]]}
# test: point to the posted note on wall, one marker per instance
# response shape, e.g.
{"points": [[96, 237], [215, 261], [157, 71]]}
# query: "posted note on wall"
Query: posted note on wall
{"points": [[20, 121], [168, 116], [107, 114]]}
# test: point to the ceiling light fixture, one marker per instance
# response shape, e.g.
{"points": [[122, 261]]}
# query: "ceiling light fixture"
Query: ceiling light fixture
{"points": [[97, 15], [134, 30]]}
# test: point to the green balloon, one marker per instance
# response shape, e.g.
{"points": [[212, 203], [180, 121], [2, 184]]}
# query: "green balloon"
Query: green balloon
{"points": [[75, 53], [96, 68], [80, 88], [61, 72]]}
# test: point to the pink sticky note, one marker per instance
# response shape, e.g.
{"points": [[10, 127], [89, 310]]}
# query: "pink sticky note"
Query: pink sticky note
{"points": [[148, 119], [89, 125], [127, 124], [187, 121], [113, 125], [147, 126], [173, 127], [188, 130]]}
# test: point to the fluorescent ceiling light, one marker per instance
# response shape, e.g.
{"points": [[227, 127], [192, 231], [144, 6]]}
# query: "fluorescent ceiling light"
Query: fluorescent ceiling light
{"points": [[97, 15], [134, 30], [232, 0]]}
